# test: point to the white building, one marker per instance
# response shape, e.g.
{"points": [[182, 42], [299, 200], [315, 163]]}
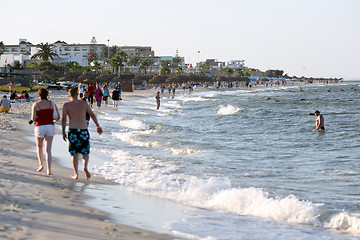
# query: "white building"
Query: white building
{"points": [[236, 64], [67, 52]]}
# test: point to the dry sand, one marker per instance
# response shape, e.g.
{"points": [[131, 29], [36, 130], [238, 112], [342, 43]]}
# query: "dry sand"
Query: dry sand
{"points": [[36, 206]]}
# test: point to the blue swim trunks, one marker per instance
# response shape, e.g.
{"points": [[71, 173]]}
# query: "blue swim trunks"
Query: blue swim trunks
{"points": [[79, 141]]}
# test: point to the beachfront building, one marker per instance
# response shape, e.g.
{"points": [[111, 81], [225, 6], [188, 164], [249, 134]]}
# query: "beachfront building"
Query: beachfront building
{"points": [[23, 51], [236, 64], [79, 53], [137, 51]]}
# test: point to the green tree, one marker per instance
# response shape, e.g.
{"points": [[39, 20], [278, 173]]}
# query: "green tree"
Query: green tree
{"points": [[45, 52], [134, 61], [274, 73], [179, 70], [117, 61], [205, 66], [176, 61], [240, 72], [165, 70], [145, 64], [96, 66], [229, 71], [46, 65]]}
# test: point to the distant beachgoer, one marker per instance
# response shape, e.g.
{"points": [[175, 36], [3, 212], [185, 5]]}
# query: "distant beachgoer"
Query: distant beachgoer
{"points": [[81, 90], [78, 134], [158, 99], [5, 105], [119, 86], [91, 90], [319, 121], [169, 89], [105, 92], [13, 95], [11, 86], [43, 116], [98, 96], [115, 97]]}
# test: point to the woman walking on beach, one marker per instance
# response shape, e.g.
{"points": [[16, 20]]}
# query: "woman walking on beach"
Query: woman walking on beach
{"points": [[105, 94], [44, 117], [98, 96]]}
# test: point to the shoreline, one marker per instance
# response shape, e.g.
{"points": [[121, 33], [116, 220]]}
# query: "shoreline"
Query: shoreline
{"points": [[32, 201], [36, 206]]}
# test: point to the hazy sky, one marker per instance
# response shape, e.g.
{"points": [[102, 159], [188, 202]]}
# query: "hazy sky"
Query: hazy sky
{"points": [[319, 38]]}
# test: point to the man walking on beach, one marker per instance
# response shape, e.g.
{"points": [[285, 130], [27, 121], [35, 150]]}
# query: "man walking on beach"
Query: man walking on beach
{"points": [[78, 135], [115, 97]]}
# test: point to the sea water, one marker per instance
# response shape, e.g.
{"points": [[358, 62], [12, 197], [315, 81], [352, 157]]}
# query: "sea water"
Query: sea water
{"points": [[233, 164]]}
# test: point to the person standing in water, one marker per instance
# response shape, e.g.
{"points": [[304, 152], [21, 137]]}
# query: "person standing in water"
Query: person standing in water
{"points": [[319, 121], [78, 134], [158, 99]]}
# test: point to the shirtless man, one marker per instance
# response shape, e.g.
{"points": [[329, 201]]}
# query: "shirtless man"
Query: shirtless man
{"points": [[319, 121], [78, 135]]}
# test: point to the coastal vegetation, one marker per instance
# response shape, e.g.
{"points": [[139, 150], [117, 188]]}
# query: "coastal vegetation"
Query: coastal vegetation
{"points": [[45, 52]]}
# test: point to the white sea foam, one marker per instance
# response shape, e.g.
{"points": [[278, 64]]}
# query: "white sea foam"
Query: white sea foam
{"points": [[228, 110], [184, 151], [131, 138], [133, 124], [157, 178], [345, 222]]}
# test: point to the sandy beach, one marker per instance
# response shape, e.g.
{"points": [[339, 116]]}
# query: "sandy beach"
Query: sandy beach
{"points": [[36, 206]]}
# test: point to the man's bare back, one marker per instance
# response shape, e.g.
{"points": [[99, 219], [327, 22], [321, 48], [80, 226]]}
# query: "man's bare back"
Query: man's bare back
{"points": [[76, 110]]}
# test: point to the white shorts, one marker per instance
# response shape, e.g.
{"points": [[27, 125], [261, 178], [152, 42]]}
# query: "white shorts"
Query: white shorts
{"points": [[116, 102], [44, 130]]}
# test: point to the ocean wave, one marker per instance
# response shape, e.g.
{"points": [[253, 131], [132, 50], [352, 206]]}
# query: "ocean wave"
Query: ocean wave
{"points": [[157, 178], [228, 110], [133, 124], [184, 151], [132, 138]]}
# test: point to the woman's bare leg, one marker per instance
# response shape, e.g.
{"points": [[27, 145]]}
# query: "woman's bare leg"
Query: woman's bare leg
{"points": [[40, 154], [48, 145]]}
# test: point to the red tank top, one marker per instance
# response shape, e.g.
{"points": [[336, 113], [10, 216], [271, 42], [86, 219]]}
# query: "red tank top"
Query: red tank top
{"points": [[44, 116]]}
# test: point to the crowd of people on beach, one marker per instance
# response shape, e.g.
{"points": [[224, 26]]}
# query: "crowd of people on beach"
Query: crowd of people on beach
{"points": [[94, 93], [79, 112]]}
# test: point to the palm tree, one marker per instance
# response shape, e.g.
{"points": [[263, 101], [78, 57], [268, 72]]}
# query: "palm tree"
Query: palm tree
{"points": [[134, 61], [117, 60], [45, 52], [229, 71], [2, 46], [176, 61], [145, 64], [96, 65], [179, 70], [240, 72]]}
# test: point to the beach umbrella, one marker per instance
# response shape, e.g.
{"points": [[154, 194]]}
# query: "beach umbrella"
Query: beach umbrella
{"points": [[73, 76], [105, 78], [87, 76], [158, 80]]}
